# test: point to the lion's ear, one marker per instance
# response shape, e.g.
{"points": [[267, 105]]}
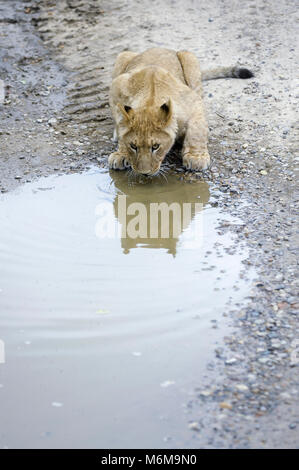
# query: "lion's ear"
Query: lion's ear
{"points": [[166, 112], [126, 111]]}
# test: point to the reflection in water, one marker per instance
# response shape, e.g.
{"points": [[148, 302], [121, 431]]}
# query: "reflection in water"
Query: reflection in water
{"points": [[186, 200]]}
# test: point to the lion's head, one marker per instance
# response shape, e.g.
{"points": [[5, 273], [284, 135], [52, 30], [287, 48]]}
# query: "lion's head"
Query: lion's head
{"points": [[148, 134]]}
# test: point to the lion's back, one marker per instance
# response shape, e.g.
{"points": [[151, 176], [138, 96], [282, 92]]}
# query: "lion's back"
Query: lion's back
{"points": [[160, 57]]}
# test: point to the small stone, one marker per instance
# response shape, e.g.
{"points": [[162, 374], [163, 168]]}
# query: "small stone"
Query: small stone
{"points": [[194, 426], [263, 360], [233, 190], [52, 121], [231, 361], [224, 405], [263, 172], [205, 393], [57, 404], [251, 377], [242, 388]]}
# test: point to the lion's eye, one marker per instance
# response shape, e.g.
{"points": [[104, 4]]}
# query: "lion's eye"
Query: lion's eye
{"points": [[133, 146], [155, 146]]}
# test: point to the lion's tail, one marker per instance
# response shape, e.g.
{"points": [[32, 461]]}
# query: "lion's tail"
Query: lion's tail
{"points": [[226, 72]]}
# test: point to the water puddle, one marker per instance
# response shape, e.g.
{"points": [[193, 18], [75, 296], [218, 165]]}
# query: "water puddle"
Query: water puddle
{"points": [[105, 336]]}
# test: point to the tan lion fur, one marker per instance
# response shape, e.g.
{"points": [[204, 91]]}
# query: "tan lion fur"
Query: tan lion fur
{"points": [[156, 97]]}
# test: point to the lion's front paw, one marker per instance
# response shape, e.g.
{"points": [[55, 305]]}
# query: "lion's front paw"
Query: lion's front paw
{"points": [[118, 161], [200, 161]]}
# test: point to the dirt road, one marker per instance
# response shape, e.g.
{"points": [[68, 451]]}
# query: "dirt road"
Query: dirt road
{"points": [[56, 61]]}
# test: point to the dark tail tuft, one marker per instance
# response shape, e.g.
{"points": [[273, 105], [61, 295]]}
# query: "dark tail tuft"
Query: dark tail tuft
{"points": [[243, 73], [226, 72]]}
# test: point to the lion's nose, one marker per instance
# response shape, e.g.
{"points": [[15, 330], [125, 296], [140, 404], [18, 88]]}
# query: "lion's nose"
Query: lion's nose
{"points": [[143, 169]]}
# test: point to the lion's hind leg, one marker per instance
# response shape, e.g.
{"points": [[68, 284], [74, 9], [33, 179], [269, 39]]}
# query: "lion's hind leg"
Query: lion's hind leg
{"points": [[191, 69], [195, 149]]}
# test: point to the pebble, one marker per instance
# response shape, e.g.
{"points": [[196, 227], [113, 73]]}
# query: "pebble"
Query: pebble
{"points": [[242, 388], [263, 360], [231, 361], [194, 426], [205, 393], [225, 405], [52, 121]]}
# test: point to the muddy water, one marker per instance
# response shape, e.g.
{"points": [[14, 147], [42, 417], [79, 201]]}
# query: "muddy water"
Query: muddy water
{"points": [[105, 337]]}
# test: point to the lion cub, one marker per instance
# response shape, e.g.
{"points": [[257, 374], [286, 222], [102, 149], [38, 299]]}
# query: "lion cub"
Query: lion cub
{"points": [[156, 97]]}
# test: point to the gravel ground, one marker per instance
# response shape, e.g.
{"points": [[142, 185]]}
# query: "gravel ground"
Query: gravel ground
{"points": [[56, 60]]}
